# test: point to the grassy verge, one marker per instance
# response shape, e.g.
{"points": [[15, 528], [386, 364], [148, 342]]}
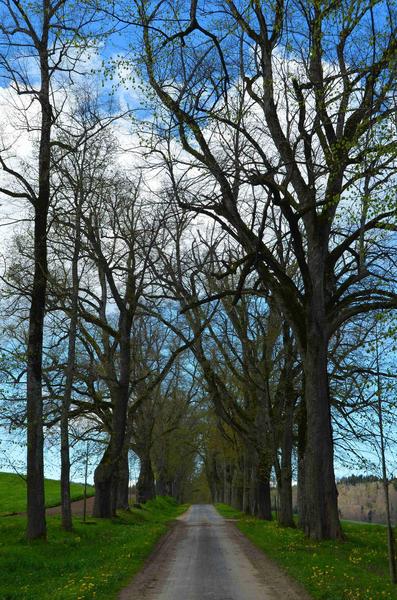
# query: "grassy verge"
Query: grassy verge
{"points": [[356, 569], [95, 561], [13, 493]]}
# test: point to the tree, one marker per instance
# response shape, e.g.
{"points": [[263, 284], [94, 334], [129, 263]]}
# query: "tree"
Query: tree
{"points": [[246, 356], [271, 123], [85, 148], [118, 231], [165, 426], [52, 37]]}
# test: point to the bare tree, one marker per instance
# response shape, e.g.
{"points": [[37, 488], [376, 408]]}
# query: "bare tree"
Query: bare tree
{"points": [[85, 151], [246, 355], [49, 37], [271, 123]]}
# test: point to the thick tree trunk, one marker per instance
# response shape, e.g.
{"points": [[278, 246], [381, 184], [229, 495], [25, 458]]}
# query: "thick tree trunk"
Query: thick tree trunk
{"points": [[263, 506], [36, 527], [103, 479], [145, 488], [107, 472], [285, 510], [162, 486], [319, 516], [106, 476], [35, 438], [123, 480], [237, 490], [284, 477]]}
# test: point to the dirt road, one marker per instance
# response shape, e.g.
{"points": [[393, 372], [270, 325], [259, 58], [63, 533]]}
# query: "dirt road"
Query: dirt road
{"points": [[77, 508], [205, 557]]}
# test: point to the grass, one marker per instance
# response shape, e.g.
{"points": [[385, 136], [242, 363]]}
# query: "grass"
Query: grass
{"points": [[13, 493], [356, 569], [93, 562]]}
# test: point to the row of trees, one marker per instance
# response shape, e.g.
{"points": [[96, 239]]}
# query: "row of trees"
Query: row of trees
{"points": [[280, 116], [230, 281]]}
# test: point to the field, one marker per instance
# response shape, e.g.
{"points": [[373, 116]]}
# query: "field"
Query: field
{"points": [[356, 569], [95, 561], [13, 493]]}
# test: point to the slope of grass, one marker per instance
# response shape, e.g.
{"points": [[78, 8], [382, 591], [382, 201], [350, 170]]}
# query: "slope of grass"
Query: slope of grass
{"points": [[356, 569], [13, 493], [95, 561]]}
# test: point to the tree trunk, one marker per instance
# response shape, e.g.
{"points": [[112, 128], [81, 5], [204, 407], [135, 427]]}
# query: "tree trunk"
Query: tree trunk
{"points": [[145, 488], [252, 510], [66, 508], [36, 527], [227, 482], [246, 501], [301, 421], [237, 490], [35, 438], [285, 510], [103, 480], [284, 477], [263, 506], [162, 483], [123, 481], [162, 486], [106, 477], [320, 519], [210, 475], [107, 472]]}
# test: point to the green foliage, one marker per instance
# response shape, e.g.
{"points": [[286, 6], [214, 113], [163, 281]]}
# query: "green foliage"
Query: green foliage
{"points": [[356, 569], [95, 561], [13, 493]]}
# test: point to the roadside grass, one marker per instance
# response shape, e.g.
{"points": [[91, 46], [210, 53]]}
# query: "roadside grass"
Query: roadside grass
{"points": [[355, 569], [13, 493], [93, 562]]}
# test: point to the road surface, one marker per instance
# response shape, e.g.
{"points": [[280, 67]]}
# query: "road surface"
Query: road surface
{"points": [[205, 557]]}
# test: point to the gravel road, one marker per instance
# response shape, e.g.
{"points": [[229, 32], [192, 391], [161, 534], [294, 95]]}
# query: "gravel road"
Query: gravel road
{"points": [[205, 557]]}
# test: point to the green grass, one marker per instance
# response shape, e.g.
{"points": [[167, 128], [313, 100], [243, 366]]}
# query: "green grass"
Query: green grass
{"points": [[95, 561], [13, 493], [356, 569]]}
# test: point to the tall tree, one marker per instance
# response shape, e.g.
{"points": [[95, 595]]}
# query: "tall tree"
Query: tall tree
{"points": [[84, 152], [48, 35], [272, 122]]}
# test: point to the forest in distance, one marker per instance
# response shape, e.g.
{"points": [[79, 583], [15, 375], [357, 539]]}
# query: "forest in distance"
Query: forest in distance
{"points": [[199, 216]]}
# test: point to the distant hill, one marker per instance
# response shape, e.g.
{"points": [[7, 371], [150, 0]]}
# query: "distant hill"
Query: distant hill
{"points": [[13, 493]]}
